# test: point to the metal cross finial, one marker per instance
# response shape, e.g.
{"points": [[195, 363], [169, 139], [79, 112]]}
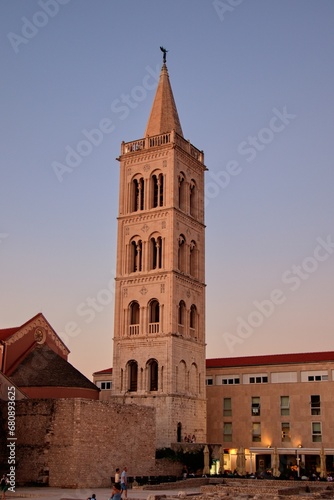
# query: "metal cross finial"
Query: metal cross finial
{"points": [[165, 52]]}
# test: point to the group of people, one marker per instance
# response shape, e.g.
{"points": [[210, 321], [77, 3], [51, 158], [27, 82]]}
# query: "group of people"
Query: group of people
{"points": [[120, 486], [190, 439]]}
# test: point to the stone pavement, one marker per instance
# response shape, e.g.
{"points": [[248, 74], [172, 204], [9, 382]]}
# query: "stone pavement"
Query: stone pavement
{"points": [[47, 493], [232, 489]]}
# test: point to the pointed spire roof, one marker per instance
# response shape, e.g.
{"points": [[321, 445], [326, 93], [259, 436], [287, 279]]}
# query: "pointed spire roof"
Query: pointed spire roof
{"points": [[164, 116]]}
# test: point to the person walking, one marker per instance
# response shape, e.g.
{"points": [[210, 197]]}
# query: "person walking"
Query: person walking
{"points": [[124, 482]]}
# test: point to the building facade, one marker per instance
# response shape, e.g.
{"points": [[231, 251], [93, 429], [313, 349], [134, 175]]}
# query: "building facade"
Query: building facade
{"points": [[273, 412], [159, 331]]}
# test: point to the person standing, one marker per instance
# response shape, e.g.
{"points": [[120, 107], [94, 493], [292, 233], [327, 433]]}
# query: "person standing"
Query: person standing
{"points": [[124, 482], [118, 477], [4, 485]]}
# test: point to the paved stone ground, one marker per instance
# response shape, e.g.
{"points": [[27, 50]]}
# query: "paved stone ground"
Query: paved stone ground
{"points": [[229, 489]]}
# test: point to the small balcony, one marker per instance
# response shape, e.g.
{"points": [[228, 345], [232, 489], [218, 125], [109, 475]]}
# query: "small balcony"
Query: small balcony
{"points": [[160, 140], [134, 329], [153, 328]]}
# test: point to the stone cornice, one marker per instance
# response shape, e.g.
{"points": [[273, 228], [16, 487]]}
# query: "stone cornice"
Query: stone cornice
{"points": [[140, 280], [143, 157], [144, 217]]}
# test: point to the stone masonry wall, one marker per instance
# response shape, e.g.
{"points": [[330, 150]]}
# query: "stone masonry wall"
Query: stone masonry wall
{"points": [[79, 443]]}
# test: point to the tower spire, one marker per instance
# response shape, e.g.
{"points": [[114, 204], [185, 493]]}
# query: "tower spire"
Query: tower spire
{"points": [[164, 116]]}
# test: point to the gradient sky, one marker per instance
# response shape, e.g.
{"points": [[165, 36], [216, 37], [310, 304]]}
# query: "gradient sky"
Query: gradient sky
{"points": [[253, 83]]}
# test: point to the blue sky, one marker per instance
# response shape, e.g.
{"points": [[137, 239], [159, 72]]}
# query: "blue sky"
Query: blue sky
{"points": [[253, 82]]}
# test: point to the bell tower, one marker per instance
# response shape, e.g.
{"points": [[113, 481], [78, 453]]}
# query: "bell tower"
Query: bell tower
{"points": [[159, 330]]}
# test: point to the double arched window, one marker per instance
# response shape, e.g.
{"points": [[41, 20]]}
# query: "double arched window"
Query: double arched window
{"points": [[147, 193], [187, 256], [188, 195], [187, 325], [153, 315], [135, 383]]}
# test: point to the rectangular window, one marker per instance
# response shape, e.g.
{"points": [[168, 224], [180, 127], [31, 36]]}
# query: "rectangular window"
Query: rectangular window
{"points": [[258, 380], [286, 436], [314, 376], [315, 405], [316, 432], [227, 437], [256, 432], [209, 381], [230, 381], [104, 386], [256, 411], [285, 405], [227, 407]]}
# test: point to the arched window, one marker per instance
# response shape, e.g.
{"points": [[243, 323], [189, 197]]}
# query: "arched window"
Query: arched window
{"points": [[158, 190], [181, 317], [193, 259], [152, 366], [193, 198], [156, 252], [137, 194], [193, 321], [136, 256], [182, 191], [182, 254], [133, 376], [193, 379], [154, 316], [134, 318], [181, 377]]}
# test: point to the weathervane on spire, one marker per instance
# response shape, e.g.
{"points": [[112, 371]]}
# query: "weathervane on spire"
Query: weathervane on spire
{"points": [[164, 56]]}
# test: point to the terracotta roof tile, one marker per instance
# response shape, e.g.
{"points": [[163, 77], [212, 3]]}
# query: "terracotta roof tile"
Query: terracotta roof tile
{"points": [[101, 372], [271, 359]]}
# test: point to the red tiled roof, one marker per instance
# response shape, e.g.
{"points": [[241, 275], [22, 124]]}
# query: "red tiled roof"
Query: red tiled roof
{"points": [[101, 372], [5, 333], [271, 359]]}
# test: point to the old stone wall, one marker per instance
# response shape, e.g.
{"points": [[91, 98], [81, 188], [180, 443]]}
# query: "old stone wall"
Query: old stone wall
{"points": [[78, 443]]}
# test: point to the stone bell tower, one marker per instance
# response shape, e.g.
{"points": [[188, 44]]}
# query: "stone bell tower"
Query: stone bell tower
{"points": [[159, 331]]}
